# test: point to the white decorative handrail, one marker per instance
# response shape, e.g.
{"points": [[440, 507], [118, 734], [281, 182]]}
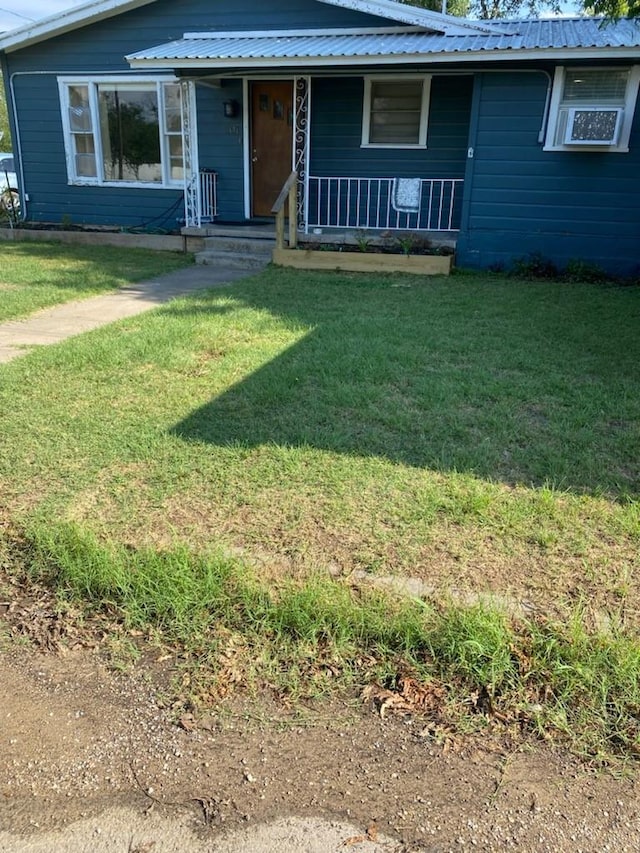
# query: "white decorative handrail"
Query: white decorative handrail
{"points": [[201, 198], [208, 195], [394, 204]]}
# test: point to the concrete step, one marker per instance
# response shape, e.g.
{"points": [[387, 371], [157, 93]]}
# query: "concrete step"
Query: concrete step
{"points": [[233, 259], [239, 245], [241, 232]]}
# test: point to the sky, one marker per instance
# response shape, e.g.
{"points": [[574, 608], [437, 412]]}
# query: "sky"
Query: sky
{"points": [[18, 13]]}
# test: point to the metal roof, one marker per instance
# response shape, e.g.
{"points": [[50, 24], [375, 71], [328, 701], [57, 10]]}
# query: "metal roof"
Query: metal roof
{"points": [[96, 10], [509, 40]]}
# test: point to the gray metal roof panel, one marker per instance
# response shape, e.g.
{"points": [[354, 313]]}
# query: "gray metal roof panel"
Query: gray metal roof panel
{"points": [[557, 33], [573, 32]]}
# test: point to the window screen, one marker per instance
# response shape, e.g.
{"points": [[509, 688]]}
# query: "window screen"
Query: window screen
{"points": [[396, 112]]}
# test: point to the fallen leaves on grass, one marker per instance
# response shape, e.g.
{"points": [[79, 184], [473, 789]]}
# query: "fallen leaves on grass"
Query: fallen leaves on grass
{"points": [[409, 697], [50, 630]]}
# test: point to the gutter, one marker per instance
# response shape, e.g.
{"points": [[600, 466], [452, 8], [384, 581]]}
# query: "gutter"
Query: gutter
{"points": [[239, 63]]}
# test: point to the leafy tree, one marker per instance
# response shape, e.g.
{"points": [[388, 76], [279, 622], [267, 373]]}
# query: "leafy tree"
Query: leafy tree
{"points": [[5, 138], [489, 9], [460, 8], [614, 9]]}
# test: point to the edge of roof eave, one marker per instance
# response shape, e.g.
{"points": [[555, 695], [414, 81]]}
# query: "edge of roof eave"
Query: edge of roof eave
{"points": [[509, 54], [404, 12], [97, 10], [66, 21]]}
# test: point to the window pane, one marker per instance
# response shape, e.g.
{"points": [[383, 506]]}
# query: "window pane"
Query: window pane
{"points": [[85, 156], [86, 166], [130, 134], [396, 110], [596, 86], [79, 109], [176, 163], [172, 109]]}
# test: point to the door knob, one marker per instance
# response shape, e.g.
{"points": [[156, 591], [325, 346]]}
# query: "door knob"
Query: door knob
{"points": [[254, 156]]}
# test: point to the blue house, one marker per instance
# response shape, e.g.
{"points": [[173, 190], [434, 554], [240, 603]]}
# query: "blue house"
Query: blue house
{"points": [[508, 136]]}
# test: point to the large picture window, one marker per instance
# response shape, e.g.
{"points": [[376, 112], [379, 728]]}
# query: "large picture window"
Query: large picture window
{"points": [[123, 132], [395, 112], [592, 109]]}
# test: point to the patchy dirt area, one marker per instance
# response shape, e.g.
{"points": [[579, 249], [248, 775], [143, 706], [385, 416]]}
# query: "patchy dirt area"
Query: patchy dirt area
{"points": [[90, 759]]}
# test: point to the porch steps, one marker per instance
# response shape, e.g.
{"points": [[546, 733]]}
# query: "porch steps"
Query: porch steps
{"points": [[245, 252]]}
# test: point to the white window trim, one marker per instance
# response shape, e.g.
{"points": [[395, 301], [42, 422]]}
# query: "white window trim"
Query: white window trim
{"points": [[93, 82], [425, 79], [621, 145]]}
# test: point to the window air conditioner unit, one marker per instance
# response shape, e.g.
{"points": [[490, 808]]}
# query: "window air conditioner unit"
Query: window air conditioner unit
{"points": [[592, 125]]}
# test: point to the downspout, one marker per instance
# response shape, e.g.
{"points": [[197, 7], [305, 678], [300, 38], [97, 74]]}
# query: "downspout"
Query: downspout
{"points": [[15, 135], [547, 104]]}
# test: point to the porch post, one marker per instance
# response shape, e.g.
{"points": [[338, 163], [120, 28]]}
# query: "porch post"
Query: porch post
{"points": [[192, 199], [302, 128]]}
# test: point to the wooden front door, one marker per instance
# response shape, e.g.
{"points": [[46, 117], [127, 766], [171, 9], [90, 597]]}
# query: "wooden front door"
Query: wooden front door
{"points": [[271, 142]]}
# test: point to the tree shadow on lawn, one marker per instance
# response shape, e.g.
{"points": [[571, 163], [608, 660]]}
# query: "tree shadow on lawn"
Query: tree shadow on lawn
{"points": [[519, 387]]}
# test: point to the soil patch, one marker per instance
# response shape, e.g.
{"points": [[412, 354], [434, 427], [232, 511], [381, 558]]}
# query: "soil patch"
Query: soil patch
{"points": [[89, 754]]}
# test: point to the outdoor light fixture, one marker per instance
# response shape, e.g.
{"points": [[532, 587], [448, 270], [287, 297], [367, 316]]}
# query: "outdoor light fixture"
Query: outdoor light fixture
{"points": [[231, 109]]}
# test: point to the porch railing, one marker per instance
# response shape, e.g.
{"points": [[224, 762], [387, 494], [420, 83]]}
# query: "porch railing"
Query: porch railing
{"points": [[394, 204], [208, 195], [201, 198], [288, 193]]}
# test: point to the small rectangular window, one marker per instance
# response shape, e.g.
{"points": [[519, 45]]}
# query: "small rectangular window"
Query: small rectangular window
{"points": [[592, 109], [395, 112]]}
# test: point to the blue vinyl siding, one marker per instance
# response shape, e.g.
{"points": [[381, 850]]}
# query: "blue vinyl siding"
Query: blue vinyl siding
{"points": [[221, 148], [523, 199], [103, 45], [336, 109], [100, 48], [336, 151]]}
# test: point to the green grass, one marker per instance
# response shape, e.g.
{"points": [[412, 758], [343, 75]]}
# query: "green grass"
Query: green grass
{"points": [[542, 676], [475, 433], [38, 275]]}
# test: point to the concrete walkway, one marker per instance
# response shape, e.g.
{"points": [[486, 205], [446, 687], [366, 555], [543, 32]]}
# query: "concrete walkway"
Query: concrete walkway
{"points": [[52, 325]]}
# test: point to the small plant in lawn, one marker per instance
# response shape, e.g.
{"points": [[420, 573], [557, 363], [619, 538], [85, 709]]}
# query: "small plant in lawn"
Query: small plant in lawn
{"points": [[363, 241], [577, 270], [406, 242], [535, 265]]}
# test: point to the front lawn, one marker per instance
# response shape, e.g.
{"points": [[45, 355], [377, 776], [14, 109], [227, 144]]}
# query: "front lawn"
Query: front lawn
{"points": [[38, 275], [476, 434]]}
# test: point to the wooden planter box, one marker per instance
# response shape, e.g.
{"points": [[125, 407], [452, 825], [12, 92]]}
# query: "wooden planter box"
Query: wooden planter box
{"points": [[313, 259]]}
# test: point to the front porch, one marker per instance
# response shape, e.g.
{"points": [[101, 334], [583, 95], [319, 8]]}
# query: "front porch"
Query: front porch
{"points": [[340, 205], [252, 245], [346, 183]]}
